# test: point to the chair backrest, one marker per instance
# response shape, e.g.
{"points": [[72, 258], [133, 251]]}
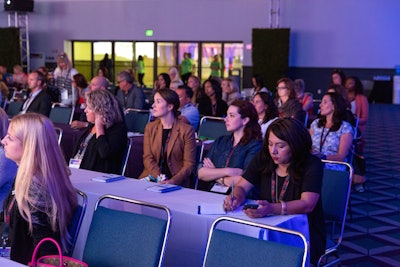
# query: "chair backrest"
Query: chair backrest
{"points": [[211, 128], [13, 108], [199, 158], [126, 157], [136, 119], [77, 220], [122, 238], [227, 248], [61, 114], [59, 133], [336, 188]]}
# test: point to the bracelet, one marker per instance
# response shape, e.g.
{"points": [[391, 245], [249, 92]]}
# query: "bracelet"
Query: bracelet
{"points": [[284, 208], [223, 180]]}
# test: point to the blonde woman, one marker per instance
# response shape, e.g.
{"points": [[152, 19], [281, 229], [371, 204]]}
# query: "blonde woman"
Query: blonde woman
{"points": [[230, 90], [63, 76], [42, 200]]}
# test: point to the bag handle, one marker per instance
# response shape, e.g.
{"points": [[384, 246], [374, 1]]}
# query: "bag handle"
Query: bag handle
{"points": [[33, 260]]}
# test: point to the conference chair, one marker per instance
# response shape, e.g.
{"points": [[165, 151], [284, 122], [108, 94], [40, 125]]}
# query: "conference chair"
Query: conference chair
{"points": [[136, 119], [126, 157], [125, 238], [211, 128], [77, 219], [14, 108], [199, 159], [61, 113], [228, 248], [335, 193], [59, 133]]}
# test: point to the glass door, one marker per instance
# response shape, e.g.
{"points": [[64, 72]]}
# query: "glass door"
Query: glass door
{"points": [[102, 63], [166, 56], [146, 51], [211, 62], [82, 59]]}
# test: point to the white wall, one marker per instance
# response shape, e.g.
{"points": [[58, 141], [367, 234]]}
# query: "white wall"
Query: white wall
{"points": [[341, 33]]}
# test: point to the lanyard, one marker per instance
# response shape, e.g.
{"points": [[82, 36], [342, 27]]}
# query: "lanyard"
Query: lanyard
{"points": [[274, 188], [230, 155], [323, 138]]}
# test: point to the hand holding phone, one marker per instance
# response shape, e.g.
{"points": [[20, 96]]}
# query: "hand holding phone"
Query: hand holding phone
{"points": [[250, 206]]}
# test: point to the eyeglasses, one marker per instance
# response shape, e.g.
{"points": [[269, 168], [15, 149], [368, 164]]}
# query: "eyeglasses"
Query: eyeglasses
{"points": [[281, 88]]}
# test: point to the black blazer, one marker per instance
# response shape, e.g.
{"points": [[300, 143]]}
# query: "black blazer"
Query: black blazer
{"points": [[106, 153], [41, 104]]}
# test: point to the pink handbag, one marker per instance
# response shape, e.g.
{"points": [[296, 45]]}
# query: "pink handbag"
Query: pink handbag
{"points": [[53, 260]]}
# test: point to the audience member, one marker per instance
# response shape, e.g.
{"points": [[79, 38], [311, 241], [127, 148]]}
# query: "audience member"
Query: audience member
{"points": [[230, 90], [6, 77], [258, 86], [174, 75], [8, 168], [80, 83], [42, 201], [266, 110], [19, 78], [359, 107], [216, 67], [102, 146], [63, 76], [331, 135], [103, 72], [97, 83], [288, 178], [287, 103], [4, 91], [230, 155], [106, 64], [163, 82], [169, 146], [38, 101], [45, 71], [175, 84], [212, 104], [129, 95], [305, 98], [338, 77], [198, 92], [186, 107]]}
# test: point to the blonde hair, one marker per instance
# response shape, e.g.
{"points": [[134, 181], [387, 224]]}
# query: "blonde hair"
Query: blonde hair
{"points": [[232, 84], [63, 57], [42, 182]]}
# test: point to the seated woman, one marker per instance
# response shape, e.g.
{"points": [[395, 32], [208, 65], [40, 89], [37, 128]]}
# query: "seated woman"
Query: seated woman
{"points": [[169, 145], [230, 90], [102, 146], [287, 103], [288, 178], [212, 104], [42, 200], [305, 98], [331, 135], [8, 168], [230, 155], [266, 110]]}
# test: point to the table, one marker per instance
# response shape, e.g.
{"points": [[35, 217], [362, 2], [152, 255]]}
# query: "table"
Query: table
{"points": [[9, 263], [189, 231]]}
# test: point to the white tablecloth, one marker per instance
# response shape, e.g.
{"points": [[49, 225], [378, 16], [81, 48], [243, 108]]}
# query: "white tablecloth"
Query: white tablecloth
{"points": [[189, 230], [9, 263]]}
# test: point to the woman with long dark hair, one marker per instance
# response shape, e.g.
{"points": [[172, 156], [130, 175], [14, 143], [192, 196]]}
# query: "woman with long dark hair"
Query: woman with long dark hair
{"points": [[266, 110]]}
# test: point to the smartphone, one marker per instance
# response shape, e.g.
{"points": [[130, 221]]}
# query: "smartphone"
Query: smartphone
{"points": [[250, 206]]}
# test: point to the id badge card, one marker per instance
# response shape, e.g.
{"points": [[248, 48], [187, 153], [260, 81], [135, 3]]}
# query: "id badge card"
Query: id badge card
{"points": [[75, 163], [219, 188]]}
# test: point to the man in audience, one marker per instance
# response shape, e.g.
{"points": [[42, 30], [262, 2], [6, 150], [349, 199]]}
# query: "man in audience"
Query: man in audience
{"points": [[187, 109], [38, 101], [129, 95], [97, 83]]}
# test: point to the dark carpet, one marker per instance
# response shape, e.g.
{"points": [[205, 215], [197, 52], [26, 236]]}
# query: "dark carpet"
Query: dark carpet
{"points": [[372, 236]]}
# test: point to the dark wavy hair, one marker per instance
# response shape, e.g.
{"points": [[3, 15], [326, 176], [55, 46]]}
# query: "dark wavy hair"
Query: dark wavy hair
{"points": [[358, 87], [339, 113], [172, 98], [216, 87], [298, 138], [166, 78], [271, 111], [252, 129]]}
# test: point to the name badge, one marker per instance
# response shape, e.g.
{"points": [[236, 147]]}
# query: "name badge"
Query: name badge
{"points": [[75, 163], [219, 188]]}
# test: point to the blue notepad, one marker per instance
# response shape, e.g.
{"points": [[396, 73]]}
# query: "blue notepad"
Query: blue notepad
{"points": [[108, 178], [163, 188]]}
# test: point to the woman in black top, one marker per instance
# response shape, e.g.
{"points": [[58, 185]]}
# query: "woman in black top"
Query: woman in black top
{"points": [[288, 178], [212, 104]]}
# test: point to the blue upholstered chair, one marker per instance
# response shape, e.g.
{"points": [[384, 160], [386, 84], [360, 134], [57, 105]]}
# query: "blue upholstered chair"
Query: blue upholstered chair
{"points": [[211, 128], [335, 194], [77, 220], [61, 114], [122, 238], [226, 248], [136, 119]]}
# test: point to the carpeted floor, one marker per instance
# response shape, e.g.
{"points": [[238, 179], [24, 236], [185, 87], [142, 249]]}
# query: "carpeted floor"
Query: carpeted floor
{"points": [[372, 237]]}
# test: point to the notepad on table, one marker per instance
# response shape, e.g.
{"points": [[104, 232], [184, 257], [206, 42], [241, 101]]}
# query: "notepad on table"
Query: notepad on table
{"points": [[108, 178], [163, 188]]}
